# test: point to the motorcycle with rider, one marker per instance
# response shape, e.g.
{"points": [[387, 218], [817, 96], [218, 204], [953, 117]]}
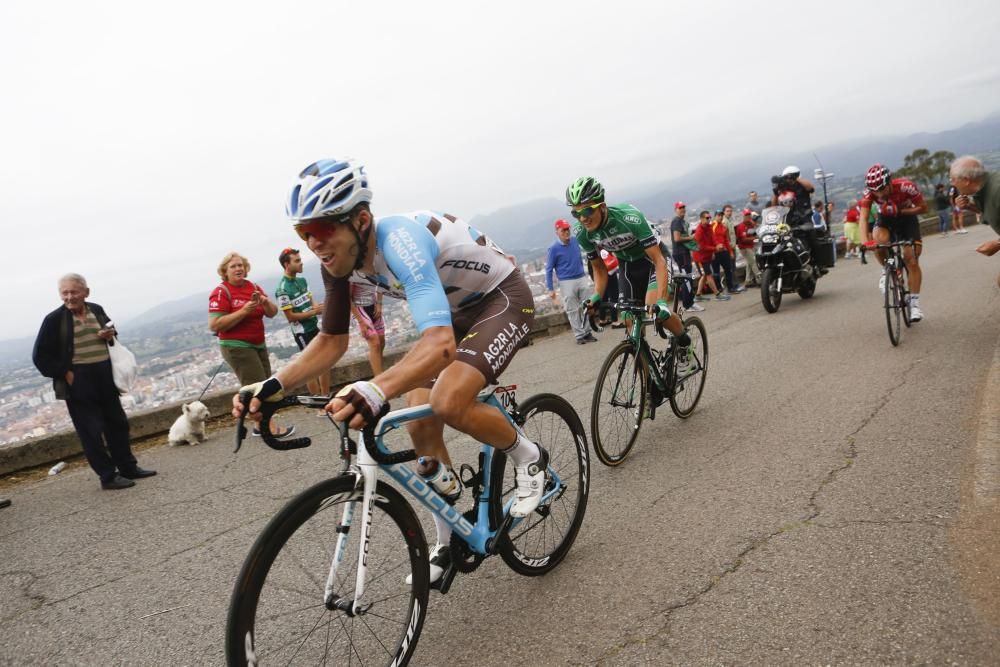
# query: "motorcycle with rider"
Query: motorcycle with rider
{"points": [[791, 251]]}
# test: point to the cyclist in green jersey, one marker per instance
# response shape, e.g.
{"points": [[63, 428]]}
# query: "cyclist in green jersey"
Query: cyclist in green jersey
{"points": [[623, 231]]}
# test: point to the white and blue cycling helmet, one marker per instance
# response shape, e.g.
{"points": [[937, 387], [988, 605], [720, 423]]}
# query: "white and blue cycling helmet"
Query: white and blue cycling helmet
{"points": [[328, 188]]}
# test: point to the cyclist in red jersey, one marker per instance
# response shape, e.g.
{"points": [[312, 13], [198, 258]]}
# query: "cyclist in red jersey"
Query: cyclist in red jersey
{"points": [[899, 202]]}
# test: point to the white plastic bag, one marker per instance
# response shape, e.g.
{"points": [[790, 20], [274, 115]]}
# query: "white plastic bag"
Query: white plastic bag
{"points": [[123, 366]]}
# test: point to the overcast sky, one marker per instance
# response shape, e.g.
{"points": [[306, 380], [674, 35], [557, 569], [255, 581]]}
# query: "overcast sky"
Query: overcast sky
{"points": [[142, 141]]}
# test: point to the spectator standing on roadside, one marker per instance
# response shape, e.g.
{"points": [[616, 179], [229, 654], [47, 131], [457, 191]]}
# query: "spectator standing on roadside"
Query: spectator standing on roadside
{"points": [[727, 218], [979, 192], [723, 261], [851, 232], [957, 214], [753, 202], [366, 307], [818, 219], [72, 349], [704, 256], [746, 234], [565, 261], [300, 309], [236, 310], [682, 243], [943, 205]]}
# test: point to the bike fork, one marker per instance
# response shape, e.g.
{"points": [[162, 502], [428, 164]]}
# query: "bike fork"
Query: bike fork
{"points": [[338, 554]]}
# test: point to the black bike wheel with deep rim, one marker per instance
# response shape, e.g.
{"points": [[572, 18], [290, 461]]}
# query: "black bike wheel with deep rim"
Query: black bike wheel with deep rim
{"points": [[687, 390], [277, 613], [770, 295], [540, 541], [904, 290], [619, 404], [893, 305]]}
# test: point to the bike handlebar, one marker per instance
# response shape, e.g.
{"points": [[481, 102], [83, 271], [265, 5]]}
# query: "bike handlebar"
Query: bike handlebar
{"points": [[268, 409]]}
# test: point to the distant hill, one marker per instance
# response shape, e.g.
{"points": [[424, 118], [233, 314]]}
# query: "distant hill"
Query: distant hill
{"points": [[528, 227]]}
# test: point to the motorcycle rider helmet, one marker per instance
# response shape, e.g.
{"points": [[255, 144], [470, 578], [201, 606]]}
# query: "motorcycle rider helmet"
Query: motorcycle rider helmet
{"points": [[331, 188], [878, 177], [584, 190], [791, 171]]}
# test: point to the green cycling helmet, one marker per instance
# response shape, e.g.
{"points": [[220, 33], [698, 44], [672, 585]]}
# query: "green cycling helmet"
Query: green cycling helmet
{"points": [[584, 190]]}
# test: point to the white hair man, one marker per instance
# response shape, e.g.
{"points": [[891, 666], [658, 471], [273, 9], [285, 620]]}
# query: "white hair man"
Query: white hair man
{"points": [[979, 192]]}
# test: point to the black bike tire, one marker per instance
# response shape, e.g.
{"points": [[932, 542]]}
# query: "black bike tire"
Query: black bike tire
{"points": [[904, 289], [771, 302], [703, 332], [241, 626], [511, 548], [623, 348], [893, 314]]}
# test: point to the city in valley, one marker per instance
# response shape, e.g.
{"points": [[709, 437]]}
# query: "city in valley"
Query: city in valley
{"points": [[177, 361]]}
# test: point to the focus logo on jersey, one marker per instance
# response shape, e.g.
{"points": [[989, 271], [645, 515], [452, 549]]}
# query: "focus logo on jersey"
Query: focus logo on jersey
{"points": [[482, 267], [406, 249]]}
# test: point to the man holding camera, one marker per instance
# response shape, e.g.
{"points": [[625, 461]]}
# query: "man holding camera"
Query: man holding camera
{"points": [[978, 191], [791, 185]]}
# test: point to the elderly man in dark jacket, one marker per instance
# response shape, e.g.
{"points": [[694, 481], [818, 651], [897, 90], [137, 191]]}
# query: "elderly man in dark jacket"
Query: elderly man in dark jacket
{"points": [[72, 349]]}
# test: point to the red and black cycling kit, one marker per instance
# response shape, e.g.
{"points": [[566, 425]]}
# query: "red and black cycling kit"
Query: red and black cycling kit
{"points": [[902, 194]]}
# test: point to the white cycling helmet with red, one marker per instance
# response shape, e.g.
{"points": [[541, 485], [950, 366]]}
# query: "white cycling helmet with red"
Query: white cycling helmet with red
{"points": [[878, 177]]}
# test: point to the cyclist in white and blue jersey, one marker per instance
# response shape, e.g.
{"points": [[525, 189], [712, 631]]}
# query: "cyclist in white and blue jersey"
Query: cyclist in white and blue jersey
{"points": [[471, 305]]}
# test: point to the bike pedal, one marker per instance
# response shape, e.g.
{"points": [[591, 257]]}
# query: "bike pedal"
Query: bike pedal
{"points": [[447, 577]]}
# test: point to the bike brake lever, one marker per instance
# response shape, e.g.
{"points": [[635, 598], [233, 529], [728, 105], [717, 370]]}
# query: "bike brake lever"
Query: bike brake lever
{"points": [[241, 429]]}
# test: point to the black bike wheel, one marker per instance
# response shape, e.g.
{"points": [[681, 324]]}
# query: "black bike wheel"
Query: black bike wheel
{"points": [[893, 306], [687, 390], [904, 291], [619, 404], [770, 295], [277, 613], [541, 540]]}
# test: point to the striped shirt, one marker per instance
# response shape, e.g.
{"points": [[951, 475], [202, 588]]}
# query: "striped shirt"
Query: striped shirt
{"points": [[88, 347]]}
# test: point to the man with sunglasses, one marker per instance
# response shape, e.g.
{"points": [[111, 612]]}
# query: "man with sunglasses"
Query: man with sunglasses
{"points": [[623, 231], [899, 202], [460, 287]]}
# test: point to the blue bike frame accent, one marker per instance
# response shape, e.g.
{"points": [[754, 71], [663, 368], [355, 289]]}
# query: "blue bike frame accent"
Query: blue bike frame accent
{"points": [[475, 535]]}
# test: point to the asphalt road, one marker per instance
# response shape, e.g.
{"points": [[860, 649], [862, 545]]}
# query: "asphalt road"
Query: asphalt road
{"points": [[833, 500]]}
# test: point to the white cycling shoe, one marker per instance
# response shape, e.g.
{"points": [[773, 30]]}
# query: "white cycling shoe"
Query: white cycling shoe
{"points": [[915, 313], [881, 283], [439, 561], [530, 480]]}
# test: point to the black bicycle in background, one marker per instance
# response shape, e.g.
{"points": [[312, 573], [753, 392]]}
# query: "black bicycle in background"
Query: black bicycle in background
{"points": [[637, 378]]}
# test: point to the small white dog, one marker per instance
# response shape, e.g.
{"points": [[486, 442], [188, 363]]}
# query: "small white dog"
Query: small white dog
{"points": [[190, 426]]}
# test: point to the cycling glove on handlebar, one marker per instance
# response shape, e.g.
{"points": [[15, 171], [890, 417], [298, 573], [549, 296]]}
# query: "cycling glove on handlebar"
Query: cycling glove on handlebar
{"points": [[365, 397]]}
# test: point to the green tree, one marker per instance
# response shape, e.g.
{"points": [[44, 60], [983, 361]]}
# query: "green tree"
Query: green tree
{"points": [[926, 168]]}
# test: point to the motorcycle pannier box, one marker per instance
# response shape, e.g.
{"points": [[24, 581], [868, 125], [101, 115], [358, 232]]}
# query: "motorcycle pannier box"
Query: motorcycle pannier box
{"points": [[827, 252]]}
